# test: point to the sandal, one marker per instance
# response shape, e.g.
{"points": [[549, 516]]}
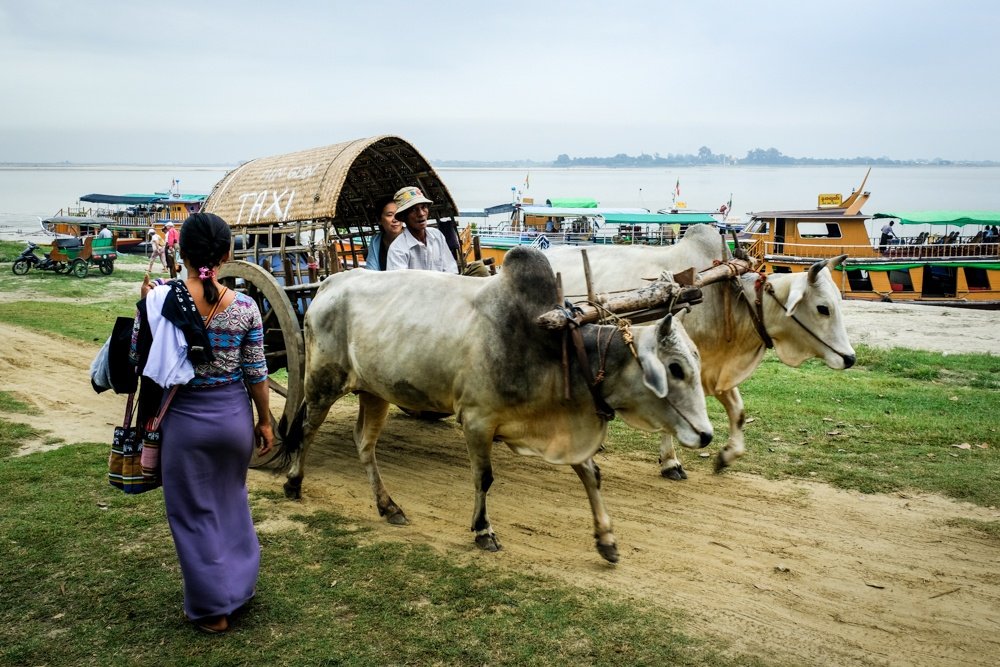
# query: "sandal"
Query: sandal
{"points": [[213, 625]]}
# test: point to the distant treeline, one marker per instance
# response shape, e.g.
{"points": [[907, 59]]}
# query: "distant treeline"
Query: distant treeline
{"points": [[705, 156]]}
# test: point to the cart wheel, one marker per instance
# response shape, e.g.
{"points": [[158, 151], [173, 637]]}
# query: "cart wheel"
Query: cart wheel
{"points": [[284, 346], [20, 267], [79, 268], [107, 266]]}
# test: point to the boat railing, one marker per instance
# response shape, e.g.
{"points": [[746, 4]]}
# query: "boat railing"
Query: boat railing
{"points": [[940, 251]]}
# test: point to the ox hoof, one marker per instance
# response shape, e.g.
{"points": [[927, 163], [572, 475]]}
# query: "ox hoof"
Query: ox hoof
{"points": [[396, 517], [676, 473], [609, 552], [293, 489], [720, 463], [488, 542]]}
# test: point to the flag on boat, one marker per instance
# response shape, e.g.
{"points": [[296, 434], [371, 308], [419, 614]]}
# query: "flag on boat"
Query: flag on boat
{"points": [[728, 206], [526, 184], [677, 188]]}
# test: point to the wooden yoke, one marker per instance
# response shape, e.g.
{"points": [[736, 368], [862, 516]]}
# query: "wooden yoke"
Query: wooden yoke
{"points": [[646, 303]]}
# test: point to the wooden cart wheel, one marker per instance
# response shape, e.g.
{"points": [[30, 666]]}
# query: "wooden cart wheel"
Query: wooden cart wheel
{"points": [[284, 346]]}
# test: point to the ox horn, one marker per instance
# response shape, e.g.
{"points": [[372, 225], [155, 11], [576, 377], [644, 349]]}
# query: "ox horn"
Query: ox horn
{"points": [[822, 264]]}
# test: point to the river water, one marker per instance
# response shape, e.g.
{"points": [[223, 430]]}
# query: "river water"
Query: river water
{"points": [[29, 193]]}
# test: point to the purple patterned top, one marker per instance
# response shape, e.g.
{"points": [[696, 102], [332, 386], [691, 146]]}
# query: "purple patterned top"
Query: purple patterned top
{"points": [[237, 337]]}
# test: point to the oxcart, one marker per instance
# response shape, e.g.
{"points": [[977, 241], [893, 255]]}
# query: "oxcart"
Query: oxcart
{"points": [[300, 217]]}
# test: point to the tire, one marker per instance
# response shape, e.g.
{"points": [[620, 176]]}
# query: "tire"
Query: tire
{"points": [[107, 267], [79, 268], [20, 267]]}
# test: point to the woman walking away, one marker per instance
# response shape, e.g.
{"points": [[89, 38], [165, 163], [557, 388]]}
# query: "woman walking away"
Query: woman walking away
{"points": [[208, 431], [389, 229]]}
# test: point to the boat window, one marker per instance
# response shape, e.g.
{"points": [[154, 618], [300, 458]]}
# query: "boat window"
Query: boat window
{"points": [[756, 226], [859, 280], [977, 279], [781, 269], [939, 281], [819, 230], [900, 281]]}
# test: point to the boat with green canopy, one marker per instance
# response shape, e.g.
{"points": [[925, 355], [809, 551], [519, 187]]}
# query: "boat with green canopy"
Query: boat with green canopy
{"points": [[949, 258]]}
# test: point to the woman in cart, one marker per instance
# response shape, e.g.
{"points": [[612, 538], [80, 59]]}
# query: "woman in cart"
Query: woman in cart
{"points": [[208, 431]]}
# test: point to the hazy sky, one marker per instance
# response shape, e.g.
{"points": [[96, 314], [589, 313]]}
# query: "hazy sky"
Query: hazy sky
{"points": [[217, 81]]}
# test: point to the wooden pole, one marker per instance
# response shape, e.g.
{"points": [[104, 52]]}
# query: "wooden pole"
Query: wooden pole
{"points": [[652, 296]]}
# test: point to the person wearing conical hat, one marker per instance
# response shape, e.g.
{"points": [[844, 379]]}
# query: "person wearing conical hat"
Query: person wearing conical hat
{"points": [[419, 246]]}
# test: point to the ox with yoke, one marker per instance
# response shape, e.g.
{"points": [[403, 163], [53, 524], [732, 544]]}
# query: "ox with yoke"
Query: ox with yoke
{"points": [[796, 314]]}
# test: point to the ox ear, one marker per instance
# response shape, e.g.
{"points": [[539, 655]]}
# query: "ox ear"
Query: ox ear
{"points": [[798, 291], [654, 373]]}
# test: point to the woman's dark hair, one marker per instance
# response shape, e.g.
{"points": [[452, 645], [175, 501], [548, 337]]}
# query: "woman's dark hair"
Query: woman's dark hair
{"points": [[379, 206], [205, 239]]}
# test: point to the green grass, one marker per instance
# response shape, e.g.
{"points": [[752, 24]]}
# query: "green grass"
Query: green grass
{"points": [[890, 424], [88, 322], [11, 403], [89, 577], [82, 309]]}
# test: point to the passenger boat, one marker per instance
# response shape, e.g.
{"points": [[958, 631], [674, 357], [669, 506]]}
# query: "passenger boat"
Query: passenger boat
{"points": [[128, 216], [954, 260], [578, 222]]}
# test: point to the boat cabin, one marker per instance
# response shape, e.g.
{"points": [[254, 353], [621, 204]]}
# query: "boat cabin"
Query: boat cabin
{"points": [[950, 258]]}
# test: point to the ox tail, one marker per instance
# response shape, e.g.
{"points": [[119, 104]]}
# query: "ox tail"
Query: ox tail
{"points": [[291, 436]]}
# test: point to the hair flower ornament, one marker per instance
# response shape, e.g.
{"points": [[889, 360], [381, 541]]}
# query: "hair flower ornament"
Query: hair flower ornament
{"points": [[205, 272]]}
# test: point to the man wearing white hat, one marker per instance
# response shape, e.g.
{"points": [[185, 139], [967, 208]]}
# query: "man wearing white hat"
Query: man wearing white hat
{"points": [[419, 246]]}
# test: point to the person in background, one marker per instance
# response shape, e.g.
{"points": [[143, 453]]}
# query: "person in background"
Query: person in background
{"points": [[105, 233], [208, 433], [156, 250], [389, 229], [419, 246], [887, 234], [173, 238]]}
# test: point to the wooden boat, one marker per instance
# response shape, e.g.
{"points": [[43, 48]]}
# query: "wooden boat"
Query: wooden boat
{"points": [[580, 222], [128, 216], [954, 260]]}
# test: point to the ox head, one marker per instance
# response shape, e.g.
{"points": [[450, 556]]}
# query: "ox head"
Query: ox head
{"points": [[812, 324], [663, 390]]}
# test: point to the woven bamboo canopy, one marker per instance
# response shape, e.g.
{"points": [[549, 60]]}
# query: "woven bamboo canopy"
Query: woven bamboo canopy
{"points": [[335, 186]]}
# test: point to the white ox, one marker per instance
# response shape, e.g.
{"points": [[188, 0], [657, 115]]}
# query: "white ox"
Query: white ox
{"points": [[470, 346], [801, 316]]}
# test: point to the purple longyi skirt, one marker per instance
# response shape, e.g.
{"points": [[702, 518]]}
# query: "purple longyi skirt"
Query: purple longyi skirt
{"points": [[207, 445]]}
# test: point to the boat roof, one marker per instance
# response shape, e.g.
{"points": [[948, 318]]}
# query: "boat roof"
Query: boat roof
{"points": [[659, 218], [563, 212], [573, 202], [77, 220], [138, 199], [957, 218], [811, 214]]}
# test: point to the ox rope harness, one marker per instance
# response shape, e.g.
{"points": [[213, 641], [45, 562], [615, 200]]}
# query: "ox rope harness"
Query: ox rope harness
{"points": [[624, 328], [761, 286], [604, 411]]}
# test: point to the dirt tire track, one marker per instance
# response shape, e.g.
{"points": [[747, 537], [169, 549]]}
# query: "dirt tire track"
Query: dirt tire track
{"points": [[794, 571]]}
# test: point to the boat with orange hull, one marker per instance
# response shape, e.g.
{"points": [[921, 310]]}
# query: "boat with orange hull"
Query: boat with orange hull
{"points": [[952, 258], [128, 216]]}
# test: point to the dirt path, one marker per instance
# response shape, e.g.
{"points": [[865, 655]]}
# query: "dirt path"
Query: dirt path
{"points": [[796, 571]]}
